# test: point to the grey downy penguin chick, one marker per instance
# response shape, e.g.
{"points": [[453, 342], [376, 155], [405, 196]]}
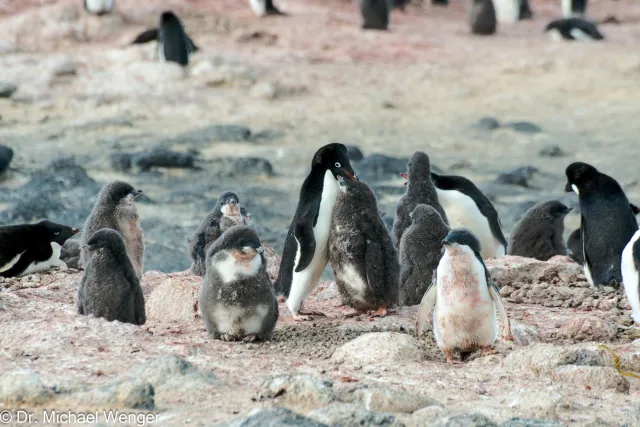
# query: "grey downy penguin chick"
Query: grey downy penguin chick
{"points": [[375, 14], [364, 260], [467, 207], [110, 287], [237, 300], [539, 234], [607, 222], [225, 214], [116, 209], [630, 276], [420, 190], [464, 300], [306, 253], [420, 253], [32, 248], [481, 16]]}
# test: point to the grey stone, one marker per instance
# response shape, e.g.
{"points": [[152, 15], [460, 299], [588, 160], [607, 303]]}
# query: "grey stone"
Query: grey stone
{"points": [[487, 123], [354, 153], [64, 67], [297, 390], [522, 422], [23, 387], [240, 167], [70, 253], [543, 359], [349, 415], [215, 133], [379, 348], [121, 161], [128, 393], [387, 400], [162, 158], [465, 420], [551, 151], [7, 89], [379, 167], [6, 155], [519, 176], [525, 127], [272, 417], [592, 377]]}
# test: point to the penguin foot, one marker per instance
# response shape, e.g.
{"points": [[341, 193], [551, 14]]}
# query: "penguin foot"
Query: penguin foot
{"points": [[486, 351], [282, 298], [227, 337], [250, 338], [450, 360], [507, 336], [381, 312], [312, 313], [300, 318]]}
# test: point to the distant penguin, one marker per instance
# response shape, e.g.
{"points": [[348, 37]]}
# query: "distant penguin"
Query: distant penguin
{"points": [[173, 43], [152, 35], [264, 8], [363, 257], [375, 14], [225, 214], [237, 300], [574, 8], [116, 209], [607, 222], [110, 287], [630, 275], [305, 253], [574, 29], [99, 7], [32, 248], [574, 246], [481, 16], [539, 233], [525, 10], [440, 2], [464, 300], [420, 190], [466, 206], [420, 253]]}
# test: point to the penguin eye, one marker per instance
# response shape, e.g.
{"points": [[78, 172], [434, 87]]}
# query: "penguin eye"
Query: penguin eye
{"points": [[337, 164], [56, 233]]}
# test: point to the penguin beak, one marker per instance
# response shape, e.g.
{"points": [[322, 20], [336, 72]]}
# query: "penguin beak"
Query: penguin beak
{"points": [[352, 177], [568, 210], [567, 188], [75, 230], [445, 242], [136, 193], [405, 176]]}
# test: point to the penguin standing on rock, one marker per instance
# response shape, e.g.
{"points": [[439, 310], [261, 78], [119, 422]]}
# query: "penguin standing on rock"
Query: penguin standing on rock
{"points": [[574, 29], [32, 248], [420, 253], [116, 209], [631, 276], [607, 222], [305, 253], [110, 287], [420, 190], [375, 14], [464, 300], [225, 214], [237, 300], [466, 206], [265, 8], [539, 233], [364, 260], [99, 7]]}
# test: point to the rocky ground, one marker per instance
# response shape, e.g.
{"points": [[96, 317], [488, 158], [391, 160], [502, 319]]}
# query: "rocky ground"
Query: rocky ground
{"points": [[79, 108]]}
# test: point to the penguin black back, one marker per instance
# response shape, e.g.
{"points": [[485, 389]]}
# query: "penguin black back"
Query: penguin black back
{"points": [[172, 40], [331, 158], [607, 222], [375, 14], [575, 29]]}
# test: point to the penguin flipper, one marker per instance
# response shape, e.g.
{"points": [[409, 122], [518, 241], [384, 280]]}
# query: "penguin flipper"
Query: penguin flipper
{"points": [[79, 304], [303, 233], [374, 266], [146, 36], [427, 304], [7, 261], [634, 209], [497, 301], [191, 46], [140, 315]]}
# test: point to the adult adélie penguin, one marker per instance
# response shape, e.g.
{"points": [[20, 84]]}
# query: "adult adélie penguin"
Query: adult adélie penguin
{"points": [[305, 253]]}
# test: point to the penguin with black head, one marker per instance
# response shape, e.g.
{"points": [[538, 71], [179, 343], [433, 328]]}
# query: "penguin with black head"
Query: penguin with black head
{"points": [[305, 253], [607, 222]]}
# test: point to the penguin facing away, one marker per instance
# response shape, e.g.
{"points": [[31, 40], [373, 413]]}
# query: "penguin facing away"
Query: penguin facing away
{"points": [[466, 206], [99, 7], [574, 8], [539, 233], [305, 253], [32, 248], [364, 260], [173, 43], [237, 300], [574, 29], [375, 14], [420, 190], [110, 287], [607, 222], [464, 300], [151, 35], [420, 253], [630, 276]]}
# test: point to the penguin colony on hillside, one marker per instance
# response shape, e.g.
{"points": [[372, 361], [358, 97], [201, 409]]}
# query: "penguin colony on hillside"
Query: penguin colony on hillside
{"points": [[434, 255]]}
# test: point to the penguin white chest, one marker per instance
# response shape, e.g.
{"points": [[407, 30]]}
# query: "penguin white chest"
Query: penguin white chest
{"points": [[631, 278], [230, 269], [462, 211], [99, 6], [36, 267], [259, 7], [464, 315]]}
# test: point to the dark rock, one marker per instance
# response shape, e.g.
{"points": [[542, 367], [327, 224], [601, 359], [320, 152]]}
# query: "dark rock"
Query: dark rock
{"points": [[240, 167], [273, 417], [267, 135], [462, 164], [162, 158], [23, 387], [121, 161], [465, 420], [519, 176], [487, 123], [7, 89], [551, 151], [525, 127], [354, 153], [215, 133], [342, 414], [70, 253], [522, 422], [378, 167], [6, 155], [165, 245]]}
